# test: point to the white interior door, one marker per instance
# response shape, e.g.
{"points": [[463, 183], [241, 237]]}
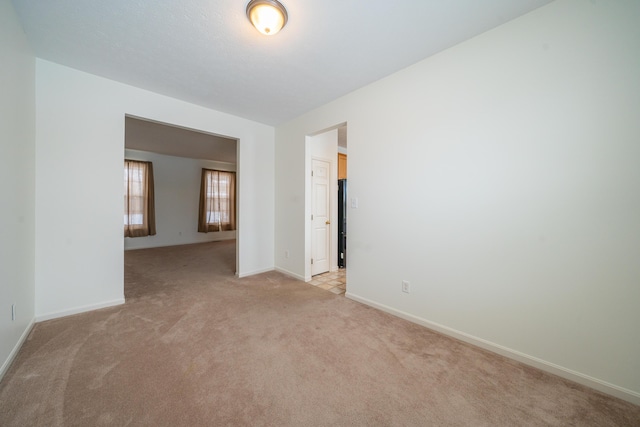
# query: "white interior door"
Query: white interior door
{"points": [[320, 216]]}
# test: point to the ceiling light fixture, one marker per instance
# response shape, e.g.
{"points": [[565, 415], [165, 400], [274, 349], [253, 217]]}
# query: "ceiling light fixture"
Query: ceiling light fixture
{"points": [[268, 16]]}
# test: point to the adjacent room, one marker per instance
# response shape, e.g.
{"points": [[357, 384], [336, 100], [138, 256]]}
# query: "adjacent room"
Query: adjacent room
{"points": [[192, 186], [185, 162], [483, 157]]}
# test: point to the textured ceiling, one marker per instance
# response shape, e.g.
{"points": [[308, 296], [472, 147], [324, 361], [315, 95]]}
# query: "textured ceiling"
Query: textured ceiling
{"points": [[206, 52]]}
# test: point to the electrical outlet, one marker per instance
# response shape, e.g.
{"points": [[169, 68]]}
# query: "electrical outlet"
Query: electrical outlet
{"points": [[406, 286], [13, 312], [286, 254]]}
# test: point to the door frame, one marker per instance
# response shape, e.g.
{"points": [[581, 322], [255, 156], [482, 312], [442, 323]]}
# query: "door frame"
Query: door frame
{"points": [[333, 161]]}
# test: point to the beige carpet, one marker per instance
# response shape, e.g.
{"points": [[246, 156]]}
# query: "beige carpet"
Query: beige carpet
{"points": [[195, 346]]}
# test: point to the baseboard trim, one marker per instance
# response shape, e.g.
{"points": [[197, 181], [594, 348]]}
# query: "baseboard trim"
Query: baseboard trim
{"points": [[77, 310], [594, 383], [7, 363], [253, 273], [290, 274], [170, 245]]}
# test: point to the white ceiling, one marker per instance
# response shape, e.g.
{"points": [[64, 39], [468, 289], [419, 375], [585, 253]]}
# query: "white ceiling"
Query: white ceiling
{"points": [[206, 51]]}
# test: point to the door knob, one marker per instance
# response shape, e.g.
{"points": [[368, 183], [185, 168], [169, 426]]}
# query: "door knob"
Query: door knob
{"points": [[328, 222]]}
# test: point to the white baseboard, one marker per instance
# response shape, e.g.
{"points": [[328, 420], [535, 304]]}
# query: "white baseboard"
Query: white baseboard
{"points": [[76, 310], [253, 273], [16, 349], [595, 383], [172, 244], [290, 274]]}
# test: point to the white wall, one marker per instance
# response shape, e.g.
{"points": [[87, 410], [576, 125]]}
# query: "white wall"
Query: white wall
{"points": [[79, 154], [177, 200], [500, 177], [17, 184]]}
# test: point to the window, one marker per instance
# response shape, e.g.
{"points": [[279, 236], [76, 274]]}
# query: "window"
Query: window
{"points": [[139, 212], [217, 201]]}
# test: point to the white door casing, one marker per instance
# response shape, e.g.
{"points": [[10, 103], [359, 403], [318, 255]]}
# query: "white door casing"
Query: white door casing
{"points": [[321, 216]]}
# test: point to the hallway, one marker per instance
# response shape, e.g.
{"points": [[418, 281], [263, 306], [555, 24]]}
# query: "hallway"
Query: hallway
{"points": [[333, 281]]}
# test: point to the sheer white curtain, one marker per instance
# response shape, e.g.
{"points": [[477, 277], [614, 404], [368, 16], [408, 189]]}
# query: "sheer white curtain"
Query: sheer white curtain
{"points": [[217, 201], [139, 210]]}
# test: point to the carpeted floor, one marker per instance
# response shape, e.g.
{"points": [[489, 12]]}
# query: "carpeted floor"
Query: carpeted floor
{"points": [[195, 346]]}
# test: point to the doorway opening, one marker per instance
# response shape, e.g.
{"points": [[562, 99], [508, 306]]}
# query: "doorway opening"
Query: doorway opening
{"points": [[326, 218], [179, 155]]}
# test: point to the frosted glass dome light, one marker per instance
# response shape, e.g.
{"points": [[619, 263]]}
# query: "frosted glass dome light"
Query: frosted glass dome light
{"points": [[268, 16]]}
